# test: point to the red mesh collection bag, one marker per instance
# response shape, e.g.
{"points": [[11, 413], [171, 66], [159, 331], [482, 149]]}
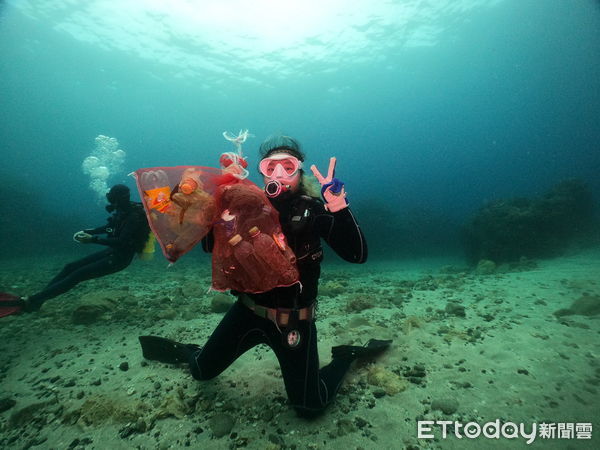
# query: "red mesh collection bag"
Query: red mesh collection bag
{"points": [[183, 203], [250, 252], [179, 204]]}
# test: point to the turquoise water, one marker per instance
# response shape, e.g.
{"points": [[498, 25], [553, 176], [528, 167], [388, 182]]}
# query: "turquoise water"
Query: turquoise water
{"points": [[431, 108]]}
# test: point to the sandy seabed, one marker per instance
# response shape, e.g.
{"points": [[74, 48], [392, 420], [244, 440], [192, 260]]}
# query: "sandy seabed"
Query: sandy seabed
{"points": [[468, 347]]}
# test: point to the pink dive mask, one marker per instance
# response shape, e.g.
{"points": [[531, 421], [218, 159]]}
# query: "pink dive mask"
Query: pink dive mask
{"points": [[282, 170], [280, 165]]}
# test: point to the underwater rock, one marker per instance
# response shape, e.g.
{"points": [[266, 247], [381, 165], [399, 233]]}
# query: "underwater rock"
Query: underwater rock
{"points": [[29, 415], [275, 442], [139, 426], [411, 323], [166, 314], [221, 424], [586, 305], [95, 411], [174, 405], [130, 315], [416, 374], [344, 427], [383, 378], [455, 309], [192, 289], [378, 393], [70, 417], [358, 321], [446, 405], [36, 441], [7, 403], [358, 304], [485, 267], [80, 442], [507, 229], [331, 289], [563, 312], [427, 283], [266, 415], [361, 422], [87, 314], [101, 409], [221, 303]]}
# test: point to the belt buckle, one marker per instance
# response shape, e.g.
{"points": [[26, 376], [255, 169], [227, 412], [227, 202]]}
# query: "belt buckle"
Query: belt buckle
{"points": [[307, 313], [282, 313]]}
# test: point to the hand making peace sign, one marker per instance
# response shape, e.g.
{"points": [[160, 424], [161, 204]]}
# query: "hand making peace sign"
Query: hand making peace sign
{"points": [[332, 189]]}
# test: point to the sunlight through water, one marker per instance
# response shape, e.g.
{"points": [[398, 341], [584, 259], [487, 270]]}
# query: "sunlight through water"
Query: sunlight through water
{"points": [[281, 37]]}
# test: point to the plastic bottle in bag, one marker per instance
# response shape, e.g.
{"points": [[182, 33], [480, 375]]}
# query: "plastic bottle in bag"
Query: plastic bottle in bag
{"points": [[267, 250], [250, 276]]}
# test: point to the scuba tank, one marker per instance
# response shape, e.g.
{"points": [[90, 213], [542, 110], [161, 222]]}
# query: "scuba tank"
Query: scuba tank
{"points": [[147, 252]]}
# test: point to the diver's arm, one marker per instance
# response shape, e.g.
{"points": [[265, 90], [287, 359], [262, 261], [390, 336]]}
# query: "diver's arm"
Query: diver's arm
{"points": [[342, 233], [338, 227], [125, 238], [98, 230]]}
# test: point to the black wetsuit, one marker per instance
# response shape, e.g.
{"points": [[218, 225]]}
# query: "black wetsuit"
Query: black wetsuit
{"points": [[305, 222], [126, 234]]}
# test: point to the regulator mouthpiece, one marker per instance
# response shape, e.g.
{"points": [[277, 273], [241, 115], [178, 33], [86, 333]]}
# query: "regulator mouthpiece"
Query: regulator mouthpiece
{"points": [[275, 188]]}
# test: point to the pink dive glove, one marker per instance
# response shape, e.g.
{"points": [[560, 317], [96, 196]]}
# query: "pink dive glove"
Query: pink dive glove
{"points": [[332, 189]]}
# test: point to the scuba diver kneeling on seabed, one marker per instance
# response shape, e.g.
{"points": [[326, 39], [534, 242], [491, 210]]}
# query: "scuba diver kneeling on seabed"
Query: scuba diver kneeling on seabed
{"points": [[127, 233], [284, 317]]}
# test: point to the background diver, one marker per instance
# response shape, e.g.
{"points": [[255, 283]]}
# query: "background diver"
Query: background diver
{"points": [[284, 318], [126, 231]]}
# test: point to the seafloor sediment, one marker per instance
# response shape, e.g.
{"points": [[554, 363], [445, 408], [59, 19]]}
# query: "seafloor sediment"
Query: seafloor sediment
{"points": [[516, 343]]}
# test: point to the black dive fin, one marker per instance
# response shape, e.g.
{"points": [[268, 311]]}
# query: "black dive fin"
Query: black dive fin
{"points": [[165, 350], [372, 348]]}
